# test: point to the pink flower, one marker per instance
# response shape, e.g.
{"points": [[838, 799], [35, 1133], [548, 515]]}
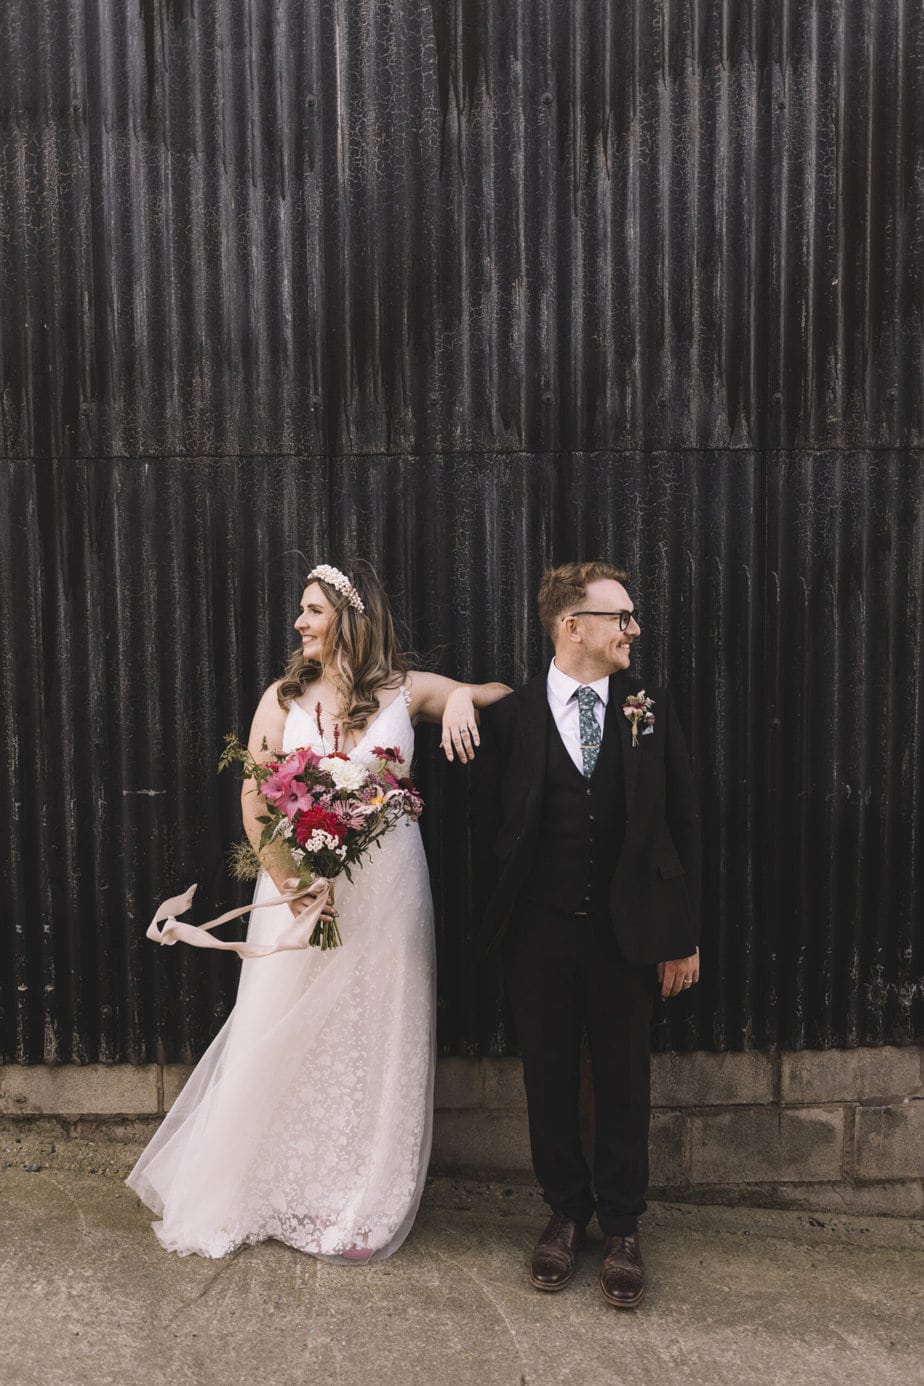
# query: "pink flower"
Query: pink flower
{"points": [[277, 785], [296, 761], [278, 788], [388, 753], [291, 798], [351, 815]]}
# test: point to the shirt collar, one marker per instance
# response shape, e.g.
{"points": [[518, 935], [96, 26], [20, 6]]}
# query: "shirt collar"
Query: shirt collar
{"points": [[562, 686]]}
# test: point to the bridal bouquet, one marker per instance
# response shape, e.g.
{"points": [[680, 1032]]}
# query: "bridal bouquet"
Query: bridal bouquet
{"points": [[326, 809]]}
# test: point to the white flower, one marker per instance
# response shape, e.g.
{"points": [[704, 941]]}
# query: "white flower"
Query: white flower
{"points": [[320, 841], [344, 773]]}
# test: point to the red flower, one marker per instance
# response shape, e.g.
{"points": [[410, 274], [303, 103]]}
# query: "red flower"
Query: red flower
{"points": [[306, 823]]}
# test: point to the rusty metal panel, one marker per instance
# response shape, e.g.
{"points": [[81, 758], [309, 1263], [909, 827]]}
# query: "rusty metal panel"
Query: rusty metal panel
{"points": [[465, 289], [351, 227]]}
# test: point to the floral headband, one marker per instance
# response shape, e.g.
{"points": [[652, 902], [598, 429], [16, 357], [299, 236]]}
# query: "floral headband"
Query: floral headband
{"points": [[334, 578]]}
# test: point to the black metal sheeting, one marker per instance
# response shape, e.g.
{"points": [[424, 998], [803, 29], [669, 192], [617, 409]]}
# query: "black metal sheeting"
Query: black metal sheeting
{"points": [[147, 604], [465, 289]]}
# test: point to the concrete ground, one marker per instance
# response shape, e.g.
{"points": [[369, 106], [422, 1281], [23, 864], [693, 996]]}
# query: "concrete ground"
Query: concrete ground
{"points": [[88, 1298]]}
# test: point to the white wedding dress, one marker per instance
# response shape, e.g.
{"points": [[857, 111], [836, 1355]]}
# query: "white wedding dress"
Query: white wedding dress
{"points": [[309, 1118]]}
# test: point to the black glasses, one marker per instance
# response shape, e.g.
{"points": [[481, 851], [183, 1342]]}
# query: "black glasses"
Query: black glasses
{"points": [[623, 617]]}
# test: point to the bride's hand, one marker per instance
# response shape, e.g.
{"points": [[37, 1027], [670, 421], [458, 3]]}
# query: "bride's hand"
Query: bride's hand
{"points": [[328, 912], [460, 726]]}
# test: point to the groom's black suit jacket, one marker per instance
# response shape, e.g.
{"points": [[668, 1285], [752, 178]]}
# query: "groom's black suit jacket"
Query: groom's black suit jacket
{"points": [[655, 886]]}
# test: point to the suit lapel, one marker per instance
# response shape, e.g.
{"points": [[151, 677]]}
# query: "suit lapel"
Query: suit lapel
{"points": [[631, 759], [533, 722]]}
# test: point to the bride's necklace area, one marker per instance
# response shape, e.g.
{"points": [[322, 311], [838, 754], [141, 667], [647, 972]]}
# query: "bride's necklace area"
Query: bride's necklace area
{"points": [[318, 710], [321, 711]]}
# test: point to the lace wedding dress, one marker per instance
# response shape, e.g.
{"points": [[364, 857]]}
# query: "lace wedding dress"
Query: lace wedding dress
{"points": [[309, 1117]]}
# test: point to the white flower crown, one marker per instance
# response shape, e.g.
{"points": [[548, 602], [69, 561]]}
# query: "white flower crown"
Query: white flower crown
{"points": [[334, 578]]}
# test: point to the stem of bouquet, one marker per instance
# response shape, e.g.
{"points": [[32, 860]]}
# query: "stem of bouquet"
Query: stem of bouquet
{"points": [[326, 933]]}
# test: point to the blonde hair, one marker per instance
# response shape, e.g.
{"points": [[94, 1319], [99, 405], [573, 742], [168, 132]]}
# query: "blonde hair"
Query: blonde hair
{"points": [[566, 585], [361, 649]]}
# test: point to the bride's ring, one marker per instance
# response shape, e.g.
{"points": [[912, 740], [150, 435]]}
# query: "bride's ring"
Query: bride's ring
{"points": [[687, 984]]}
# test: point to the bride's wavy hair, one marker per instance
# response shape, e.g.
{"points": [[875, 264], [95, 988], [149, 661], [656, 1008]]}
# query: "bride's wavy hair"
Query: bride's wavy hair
{"points": [[361, 648]]}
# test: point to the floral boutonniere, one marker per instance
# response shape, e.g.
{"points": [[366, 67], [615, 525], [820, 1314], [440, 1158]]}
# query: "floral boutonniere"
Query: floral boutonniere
{"points": [[638, 710]]}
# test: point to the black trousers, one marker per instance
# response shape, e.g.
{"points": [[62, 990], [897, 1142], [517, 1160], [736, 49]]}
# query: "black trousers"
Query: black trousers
{"points": [[564, 975]]}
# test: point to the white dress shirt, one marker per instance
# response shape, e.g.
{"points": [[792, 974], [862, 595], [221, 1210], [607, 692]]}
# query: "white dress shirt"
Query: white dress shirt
{"points": [[562, 694]]}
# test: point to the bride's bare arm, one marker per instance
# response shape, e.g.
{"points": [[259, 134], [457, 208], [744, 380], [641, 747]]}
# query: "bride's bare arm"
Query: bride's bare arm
{"points": [[266, 733], [267, 727], [454, 705]]}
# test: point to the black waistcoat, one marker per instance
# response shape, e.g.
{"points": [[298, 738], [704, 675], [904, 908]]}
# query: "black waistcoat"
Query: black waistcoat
{"points": [[582, 827]]}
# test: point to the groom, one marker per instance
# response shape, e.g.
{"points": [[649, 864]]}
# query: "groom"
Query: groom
{"points": [[585, 814]]}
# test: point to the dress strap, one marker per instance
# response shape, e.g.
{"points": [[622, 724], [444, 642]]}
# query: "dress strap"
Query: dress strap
{"points": [[406, 694]]}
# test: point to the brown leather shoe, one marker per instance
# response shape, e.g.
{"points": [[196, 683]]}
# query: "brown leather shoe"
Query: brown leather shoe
{"points": [[555, 1254], [622, 1275]]}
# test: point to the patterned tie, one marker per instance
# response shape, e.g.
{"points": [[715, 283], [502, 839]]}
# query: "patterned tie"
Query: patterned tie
{"points": [[590, 729]]}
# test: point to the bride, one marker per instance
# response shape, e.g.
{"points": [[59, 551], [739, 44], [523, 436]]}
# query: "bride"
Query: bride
{"points": [[309, 1117]]}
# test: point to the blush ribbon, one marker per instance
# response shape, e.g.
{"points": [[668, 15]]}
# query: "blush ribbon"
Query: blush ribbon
{"points": [[297, 935]]}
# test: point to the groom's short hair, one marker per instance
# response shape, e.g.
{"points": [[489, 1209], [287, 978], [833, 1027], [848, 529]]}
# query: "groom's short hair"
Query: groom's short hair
{"points": [[565, 586]]}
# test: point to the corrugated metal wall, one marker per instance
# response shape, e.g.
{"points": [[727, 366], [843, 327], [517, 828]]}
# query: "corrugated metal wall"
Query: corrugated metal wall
{"points": [[465, 289]]}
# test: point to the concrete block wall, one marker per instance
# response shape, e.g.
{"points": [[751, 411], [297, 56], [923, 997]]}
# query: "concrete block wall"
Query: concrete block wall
{"points": [[837, 1131]]}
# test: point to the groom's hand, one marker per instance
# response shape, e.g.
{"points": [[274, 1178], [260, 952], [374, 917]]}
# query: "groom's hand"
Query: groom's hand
{"points": [[678, 975]]}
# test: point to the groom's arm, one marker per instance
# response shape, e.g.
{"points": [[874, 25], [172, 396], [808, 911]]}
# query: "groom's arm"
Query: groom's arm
{"points": [[682, 808], [682, 817]]}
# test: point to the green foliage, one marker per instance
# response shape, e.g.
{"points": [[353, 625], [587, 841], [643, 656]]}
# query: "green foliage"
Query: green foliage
{"points": [[243, 862], [235, 753]]}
